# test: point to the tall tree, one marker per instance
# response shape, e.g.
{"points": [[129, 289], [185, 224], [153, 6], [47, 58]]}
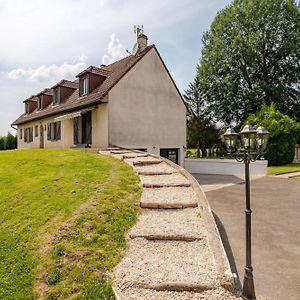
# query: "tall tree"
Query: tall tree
{"points": [[251, 58], [202, 132]]}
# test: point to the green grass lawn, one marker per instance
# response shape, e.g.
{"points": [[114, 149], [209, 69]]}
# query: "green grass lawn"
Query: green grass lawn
{"points": [[63, 218], [276, 170]]}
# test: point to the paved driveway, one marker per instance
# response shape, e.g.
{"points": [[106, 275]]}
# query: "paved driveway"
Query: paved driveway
{"points": [[276, 230]]}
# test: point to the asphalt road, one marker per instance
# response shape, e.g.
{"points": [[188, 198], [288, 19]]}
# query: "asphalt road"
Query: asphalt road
{"points": [[275, 230]]}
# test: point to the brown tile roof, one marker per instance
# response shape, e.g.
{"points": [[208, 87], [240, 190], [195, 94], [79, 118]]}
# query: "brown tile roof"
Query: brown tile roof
{"points": [[115, 72], [46, 91], [67, 83], [31, 98], [95, 70]]}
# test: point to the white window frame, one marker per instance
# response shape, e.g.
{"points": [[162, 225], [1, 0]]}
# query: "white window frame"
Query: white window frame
{"points": [[84, 86]]}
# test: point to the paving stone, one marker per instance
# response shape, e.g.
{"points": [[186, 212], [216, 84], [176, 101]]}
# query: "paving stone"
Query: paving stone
{"points": [[167, 265], [131, 293], [134, 155], [168, 197], [170, 224], [172, 180], [158, 169]]}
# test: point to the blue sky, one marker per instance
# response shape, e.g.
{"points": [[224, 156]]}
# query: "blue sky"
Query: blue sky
{"points": [[44, 41]]}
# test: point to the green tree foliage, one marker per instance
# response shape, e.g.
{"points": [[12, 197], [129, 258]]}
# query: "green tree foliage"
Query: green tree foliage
{"points": [[251, 58], [284, 133], [202, 132], [8, 142], [2, 143]]}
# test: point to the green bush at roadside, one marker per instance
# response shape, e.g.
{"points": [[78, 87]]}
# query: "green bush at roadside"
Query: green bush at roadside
{"points": [[285, 133]]}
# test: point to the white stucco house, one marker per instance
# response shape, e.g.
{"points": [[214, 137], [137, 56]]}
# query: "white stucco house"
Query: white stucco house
{"points": [[131, 103]]}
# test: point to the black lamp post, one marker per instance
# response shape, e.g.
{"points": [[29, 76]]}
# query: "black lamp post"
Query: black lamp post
{"points": [[247, 146]]}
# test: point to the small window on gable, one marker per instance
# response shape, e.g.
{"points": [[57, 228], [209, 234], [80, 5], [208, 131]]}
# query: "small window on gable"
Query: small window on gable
{"points": [[83, 86], [56, 98]]}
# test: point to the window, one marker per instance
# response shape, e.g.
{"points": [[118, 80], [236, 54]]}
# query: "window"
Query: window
{"points": [[40, 106], [21, 133], [28, 135], [26, 108], [54, 131], [56, 98], [83, 86], [36, 130]]}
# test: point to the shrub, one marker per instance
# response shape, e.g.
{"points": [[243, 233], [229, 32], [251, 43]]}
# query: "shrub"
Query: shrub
{"points": [[284, 134]]}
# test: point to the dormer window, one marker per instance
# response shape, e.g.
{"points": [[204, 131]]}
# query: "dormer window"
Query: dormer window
{"points": [[40, 106], [26, 108], [83, 86], [56, 96]]}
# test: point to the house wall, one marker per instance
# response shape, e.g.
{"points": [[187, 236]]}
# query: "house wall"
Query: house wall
{"points": [[100, 126], [146, 111], [66, 140], [99, 131]]}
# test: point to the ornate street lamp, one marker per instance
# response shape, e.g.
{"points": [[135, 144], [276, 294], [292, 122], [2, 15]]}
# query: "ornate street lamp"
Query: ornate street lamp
{"points": [[247, 146]]}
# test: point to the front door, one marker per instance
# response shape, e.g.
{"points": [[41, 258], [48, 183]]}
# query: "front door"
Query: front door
{"points": [[41, 136], [171, 154], [86, 128]]}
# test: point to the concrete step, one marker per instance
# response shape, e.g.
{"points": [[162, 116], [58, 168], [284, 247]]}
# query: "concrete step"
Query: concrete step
{"points": [[169, 224], [169, 197], [134, 155], [158, 169], [172, 180], [167, 266], [120, 151], [145, 162], [132, 293]]}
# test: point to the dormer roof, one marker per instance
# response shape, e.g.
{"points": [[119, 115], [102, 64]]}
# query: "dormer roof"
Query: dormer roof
{"points": [[47, 91], [66, 83], [95, 70], [31, 98]]}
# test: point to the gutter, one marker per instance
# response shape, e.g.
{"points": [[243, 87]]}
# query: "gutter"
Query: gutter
{"points": [[59, 112], [12, 126]]}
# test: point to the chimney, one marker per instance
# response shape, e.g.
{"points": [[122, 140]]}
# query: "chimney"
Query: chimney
{"points": [[142, 41]]}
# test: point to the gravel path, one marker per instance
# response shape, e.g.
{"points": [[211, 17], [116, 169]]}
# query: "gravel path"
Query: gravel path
{"points": [[169, 256]]}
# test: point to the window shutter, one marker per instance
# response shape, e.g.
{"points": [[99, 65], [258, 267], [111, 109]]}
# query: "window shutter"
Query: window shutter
{"points": [[30, 134], [58, 130], [25, 135], [52, 131], [49, 131]]}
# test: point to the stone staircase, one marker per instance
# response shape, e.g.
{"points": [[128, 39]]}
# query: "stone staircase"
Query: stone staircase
{"points": [[169, 255]]}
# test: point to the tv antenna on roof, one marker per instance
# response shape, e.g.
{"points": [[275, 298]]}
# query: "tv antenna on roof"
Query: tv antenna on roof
{"points": [[138, 29]]}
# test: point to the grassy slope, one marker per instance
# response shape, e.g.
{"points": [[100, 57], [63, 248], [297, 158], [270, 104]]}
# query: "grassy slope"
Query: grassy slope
{"points": [[275, 170], [63, 214]]}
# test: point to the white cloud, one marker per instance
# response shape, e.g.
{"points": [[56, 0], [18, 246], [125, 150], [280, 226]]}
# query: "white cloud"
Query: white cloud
{"points": [[41, 40], [115, 51], [51, 73]]}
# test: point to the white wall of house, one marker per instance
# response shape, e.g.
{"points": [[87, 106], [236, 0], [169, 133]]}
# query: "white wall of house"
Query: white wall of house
{"points": [[100, 126], [146, 111], [64, 142], [99, 131], [224, 167]]}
